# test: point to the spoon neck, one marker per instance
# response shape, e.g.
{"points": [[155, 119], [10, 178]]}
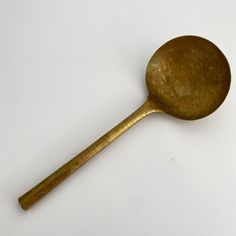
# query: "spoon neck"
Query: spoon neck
{"points": [[140, 113], [151, 106]]}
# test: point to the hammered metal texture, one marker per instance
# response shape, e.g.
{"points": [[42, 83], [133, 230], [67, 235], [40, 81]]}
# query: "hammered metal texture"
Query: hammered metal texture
{"points": [[189, 77]]}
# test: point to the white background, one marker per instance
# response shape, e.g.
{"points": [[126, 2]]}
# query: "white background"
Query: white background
{"points": [[70, 71]]}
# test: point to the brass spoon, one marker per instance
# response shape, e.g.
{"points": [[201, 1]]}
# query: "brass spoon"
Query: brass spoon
{"points": [[188, 78]]}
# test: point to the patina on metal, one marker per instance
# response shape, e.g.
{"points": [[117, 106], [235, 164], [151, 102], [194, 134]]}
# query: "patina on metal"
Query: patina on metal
{"points": [[188, 78]]}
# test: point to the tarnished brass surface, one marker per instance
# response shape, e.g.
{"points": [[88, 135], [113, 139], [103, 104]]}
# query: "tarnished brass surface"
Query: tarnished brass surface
{"points": [[188, 77], [40, 190]]}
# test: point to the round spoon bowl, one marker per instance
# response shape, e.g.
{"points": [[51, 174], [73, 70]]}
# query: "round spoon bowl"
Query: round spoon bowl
{"points": [[188, 77]]}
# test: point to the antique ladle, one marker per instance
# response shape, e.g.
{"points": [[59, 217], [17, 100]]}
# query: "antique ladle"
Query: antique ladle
{"points": [[188, 78]]}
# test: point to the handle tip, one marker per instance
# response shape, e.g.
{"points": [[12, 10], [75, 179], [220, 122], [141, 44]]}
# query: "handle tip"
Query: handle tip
{"points": [[23, 204]]}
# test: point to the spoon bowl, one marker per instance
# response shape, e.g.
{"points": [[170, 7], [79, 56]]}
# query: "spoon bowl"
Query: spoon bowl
{"points": [[188, 77]]}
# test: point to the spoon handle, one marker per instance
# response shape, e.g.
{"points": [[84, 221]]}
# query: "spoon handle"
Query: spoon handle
{"points": [[39, 191]]}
